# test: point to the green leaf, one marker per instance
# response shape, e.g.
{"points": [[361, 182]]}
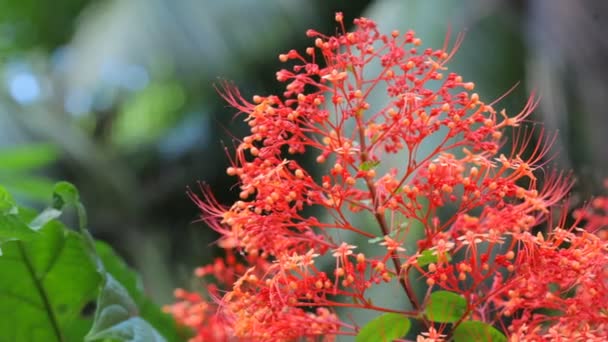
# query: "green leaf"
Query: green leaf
{"points": [[149, 311], [26, 214], [65, 193], [368, 165], [50, 277], [46, 284], [115, 266], [445, 307], [12, 228], [477, 331], [427, 257], [28, 186], [116, 317], [27, 157], [134, 329], [385, 327]]}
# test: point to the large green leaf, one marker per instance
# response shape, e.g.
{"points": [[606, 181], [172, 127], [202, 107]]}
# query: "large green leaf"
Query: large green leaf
{"points": [[477, 331], [117, 314], [51, 277], [13, 229], [46, 285], [386, 327], [117, 317], [445, 307], [12, 226], [148, 310]]}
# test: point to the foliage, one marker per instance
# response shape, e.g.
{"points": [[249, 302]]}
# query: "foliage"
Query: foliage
{"points": [[52, 278], [386, 327], [31, 26], [18, 166], [477, 331], [446, 307]]}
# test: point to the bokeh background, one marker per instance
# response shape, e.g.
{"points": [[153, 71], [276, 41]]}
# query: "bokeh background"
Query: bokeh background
{"points": [[118, 97]]}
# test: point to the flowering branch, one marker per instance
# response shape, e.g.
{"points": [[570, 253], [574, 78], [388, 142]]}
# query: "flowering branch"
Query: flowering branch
{"points": [[481, 263]]}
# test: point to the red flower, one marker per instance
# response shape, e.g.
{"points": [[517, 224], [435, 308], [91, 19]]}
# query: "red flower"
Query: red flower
{"points": [[495, 200]]}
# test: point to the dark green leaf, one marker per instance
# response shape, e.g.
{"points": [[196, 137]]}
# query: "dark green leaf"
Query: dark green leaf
{"points": [[477, 331], [385, 327], [45, 283], [148, 310], [134, 329], [114, 265], [116, 317], [50, 278], [445, 307], [27, 157]]}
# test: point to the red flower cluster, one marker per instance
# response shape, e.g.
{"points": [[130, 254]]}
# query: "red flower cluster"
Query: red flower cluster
{"points": [[483, 251]]}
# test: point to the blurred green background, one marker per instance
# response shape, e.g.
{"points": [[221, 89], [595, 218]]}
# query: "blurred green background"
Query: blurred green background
{"points": [[118, 97]]}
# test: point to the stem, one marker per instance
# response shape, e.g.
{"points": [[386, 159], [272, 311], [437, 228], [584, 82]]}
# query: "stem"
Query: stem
{"points": [[366, 306], [382, 220]]}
